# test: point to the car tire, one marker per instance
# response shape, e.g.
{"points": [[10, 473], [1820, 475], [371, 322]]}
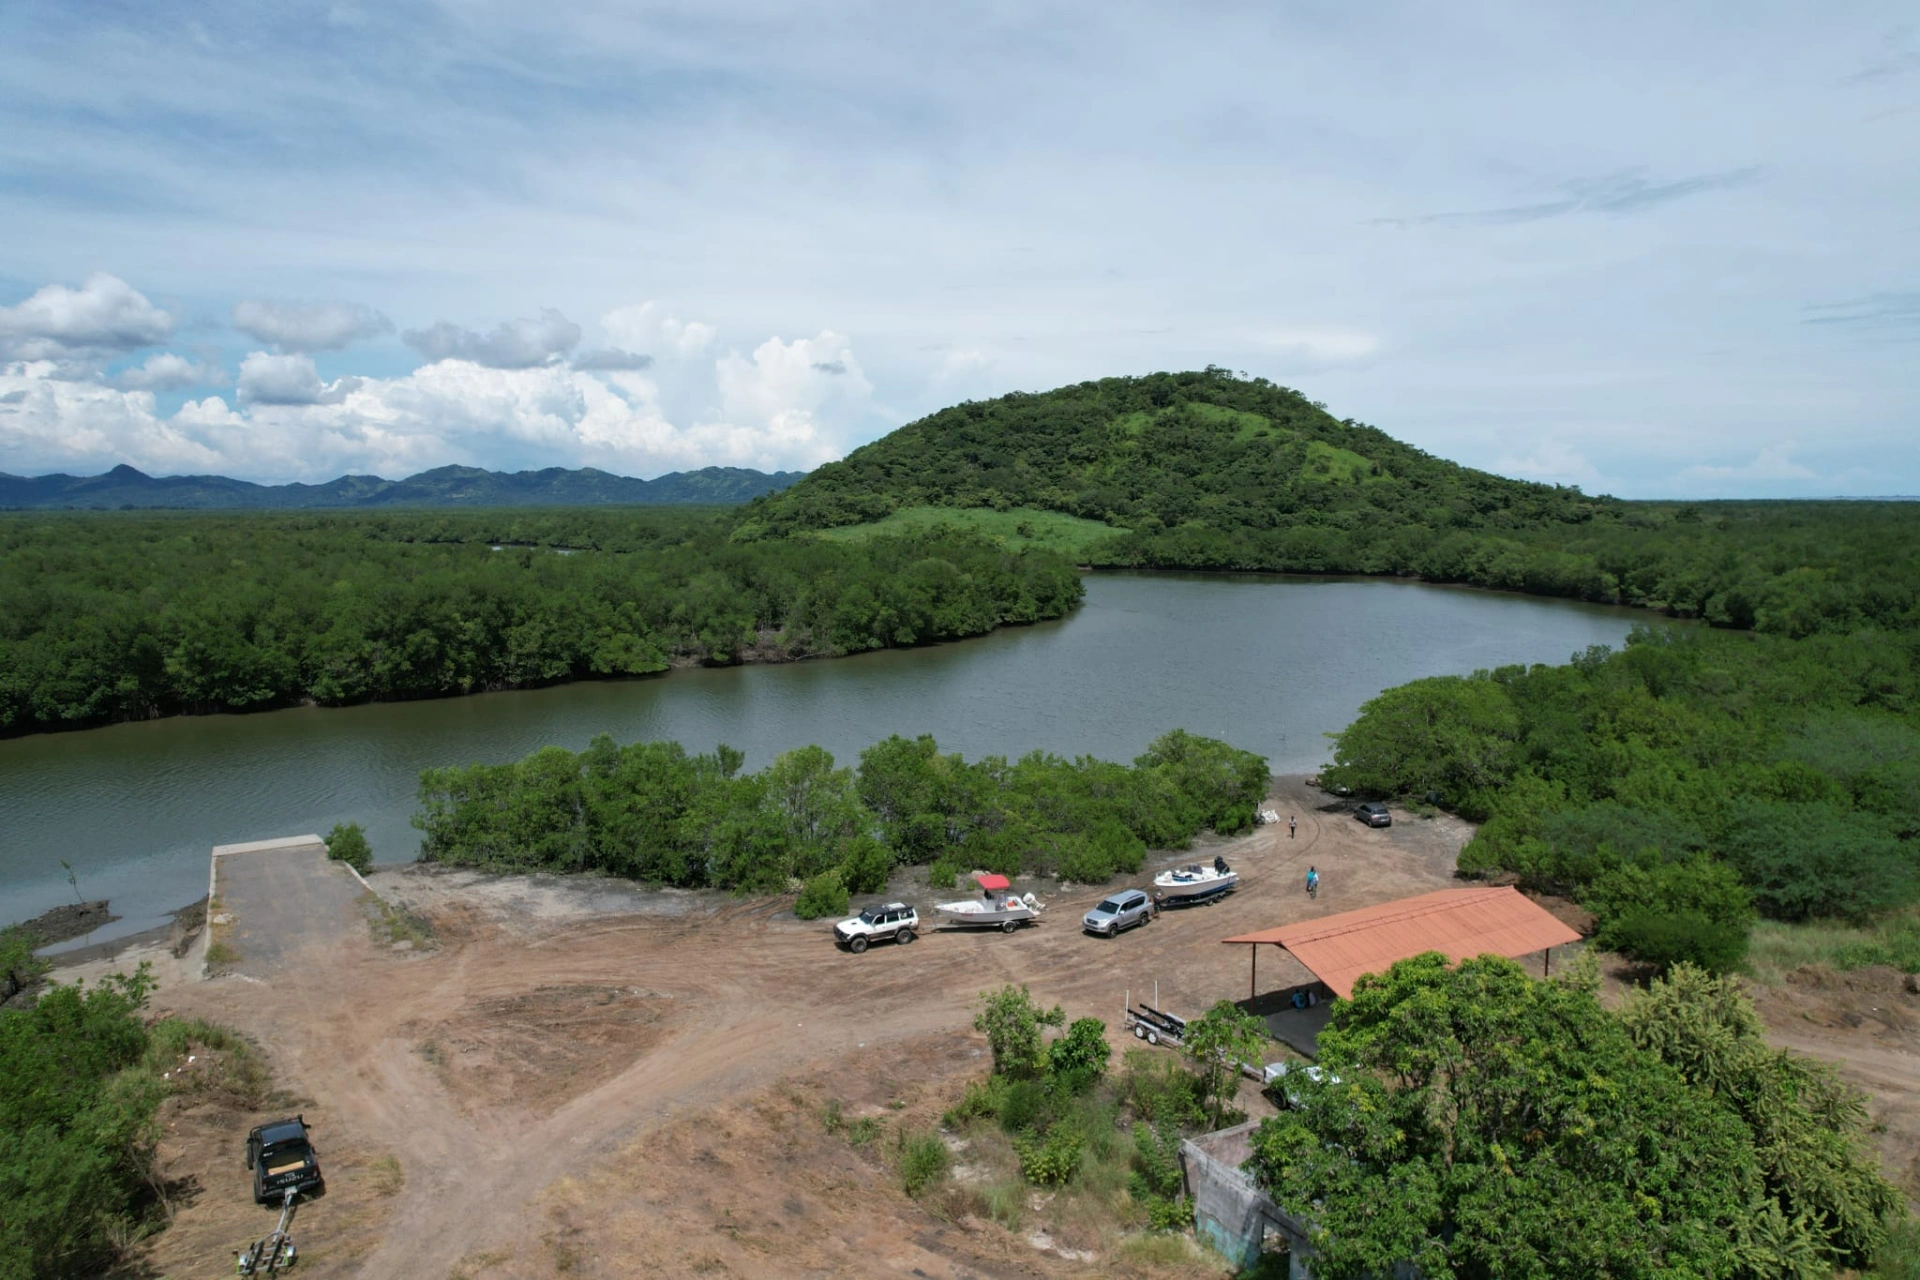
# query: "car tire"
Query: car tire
{"points": [[903, 937], [1139, 1031], [857, 945], [1008, 926], [1153, 1037]]}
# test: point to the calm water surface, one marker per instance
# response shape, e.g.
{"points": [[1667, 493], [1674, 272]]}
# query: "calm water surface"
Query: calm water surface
{"points": [[1270, 664]]}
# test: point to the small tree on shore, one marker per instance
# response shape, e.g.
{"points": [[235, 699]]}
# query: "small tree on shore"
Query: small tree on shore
{"points": [[347, 843]]}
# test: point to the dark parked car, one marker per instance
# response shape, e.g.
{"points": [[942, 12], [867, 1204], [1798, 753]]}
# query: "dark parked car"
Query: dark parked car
{"points": [[282, 1158], [1374, 814]]}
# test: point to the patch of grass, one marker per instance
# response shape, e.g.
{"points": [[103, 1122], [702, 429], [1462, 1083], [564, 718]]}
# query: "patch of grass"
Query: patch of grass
{"points": [[430, 1050], [1006, 1200], [480, 1260], [225, 1066], [1245, 425], [831, 1118], [1899, 1257], [385, 1177], [863, 1131], [1776, 949], [1331, 462], [1157, 1249], [391, 924], [221, 952], [923, 1160], [1015, 529]]}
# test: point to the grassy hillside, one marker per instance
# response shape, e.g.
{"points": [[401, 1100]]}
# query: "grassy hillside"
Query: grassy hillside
{"points": [[1209, 471], [1016, 529]]}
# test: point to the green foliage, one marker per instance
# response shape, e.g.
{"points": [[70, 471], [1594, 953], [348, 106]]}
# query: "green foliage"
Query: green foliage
{"points": [[922, 1160], [1078, 1060], [1157, 1179], [1011, 1022], [1490, 1125], [824, 896], [1826, 1197], [347, 843], [1663, 913], [112, 617], [1155, 1087], [1207, 470], [76, 1126], [652, 812], [1220, 1040], [1664, 939], [1631, 776], [1050, 1159], [19, 967], [1456, 736]]}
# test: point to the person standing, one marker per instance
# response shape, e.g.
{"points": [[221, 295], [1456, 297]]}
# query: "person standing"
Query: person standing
{"points": [[1313, 882], [1293, 824]]}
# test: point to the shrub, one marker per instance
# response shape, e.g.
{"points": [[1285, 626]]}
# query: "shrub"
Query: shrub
{"points": [[1052, 1160], [1077, 1060], [1011, 1022], [923, 1160], [1664, 939], [824, 895], [982, 1098], [866, 866], [1156, 1088], [347, 843]]}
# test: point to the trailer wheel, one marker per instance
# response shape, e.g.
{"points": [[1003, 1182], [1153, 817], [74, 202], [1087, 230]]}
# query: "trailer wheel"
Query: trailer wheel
{"points": [[1153, 1037], [1139, 1032], [857, 945], [903, 937], [1007, 926]]}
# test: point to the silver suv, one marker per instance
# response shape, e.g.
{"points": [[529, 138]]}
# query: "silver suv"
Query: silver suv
{"points": [[1121, 911]]}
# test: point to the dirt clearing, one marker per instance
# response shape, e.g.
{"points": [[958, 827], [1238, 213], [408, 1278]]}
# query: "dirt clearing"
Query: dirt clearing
{"points": [[590, 1080]]}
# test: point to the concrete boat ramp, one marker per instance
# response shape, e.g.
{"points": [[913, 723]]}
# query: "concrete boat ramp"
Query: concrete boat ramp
{"points": [[270, 900]]}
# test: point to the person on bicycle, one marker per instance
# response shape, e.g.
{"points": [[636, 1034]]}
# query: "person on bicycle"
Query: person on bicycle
{"points": [[1313, 882]]}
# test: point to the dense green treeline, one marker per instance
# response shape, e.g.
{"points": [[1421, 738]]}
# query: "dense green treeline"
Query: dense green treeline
{"points": [[120, 617], [1679, 786], [651, 811], [1211, 471]]}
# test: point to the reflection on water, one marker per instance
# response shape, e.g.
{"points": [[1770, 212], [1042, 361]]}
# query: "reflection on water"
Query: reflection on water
{"points": [[1271, 664]]}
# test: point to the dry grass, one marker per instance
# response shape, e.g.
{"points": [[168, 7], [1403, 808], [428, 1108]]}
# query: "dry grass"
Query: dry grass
{"points": [[1778, 949], [385, 1177]]}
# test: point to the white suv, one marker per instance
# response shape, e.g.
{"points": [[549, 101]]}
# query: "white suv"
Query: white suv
{"points": [[896, 920]]}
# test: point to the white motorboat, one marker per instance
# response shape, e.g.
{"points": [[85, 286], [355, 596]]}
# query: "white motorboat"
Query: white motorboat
{"points": [[997, 907], [1195, 882]]}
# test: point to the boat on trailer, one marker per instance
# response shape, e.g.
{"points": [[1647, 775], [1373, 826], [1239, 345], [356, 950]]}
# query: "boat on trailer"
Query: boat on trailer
{"points": [[1195, 883], [997, 907]]}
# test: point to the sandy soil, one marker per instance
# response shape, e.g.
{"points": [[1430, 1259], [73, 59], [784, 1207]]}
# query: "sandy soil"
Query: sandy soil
{"points": [[588, 1080]]}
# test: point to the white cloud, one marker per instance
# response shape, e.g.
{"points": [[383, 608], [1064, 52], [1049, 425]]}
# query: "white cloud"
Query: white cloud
{"points": [[517, 344], [104, 316], [1551, 461], [166, 371], [647, 327], [272, 379], [781, 390], [1771, 463], [1323, 345], [309, 326]]}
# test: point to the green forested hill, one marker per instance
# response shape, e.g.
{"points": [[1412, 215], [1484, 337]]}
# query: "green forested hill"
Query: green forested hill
{"points": [[1210, 471], [1169, 450]]}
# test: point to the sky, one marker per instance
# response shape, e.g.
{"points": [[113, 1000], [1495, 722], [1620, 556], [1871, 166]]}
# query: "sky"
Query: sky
{"points": [[1646, 249]]}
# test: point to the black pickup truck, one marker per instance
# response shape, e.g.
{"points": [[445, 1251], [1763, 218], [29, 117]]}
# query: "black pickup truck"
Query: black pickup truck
{"points": [[282, 1158]]}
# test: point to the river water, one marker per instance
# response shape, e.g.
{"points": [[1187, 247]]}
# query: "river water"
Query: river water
{"points": [[1268, 663]]}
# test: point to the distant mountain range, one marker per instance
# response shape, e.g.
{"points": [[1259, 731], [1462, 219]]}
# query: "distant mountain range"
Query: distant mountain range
{"points": [[126, 487]]}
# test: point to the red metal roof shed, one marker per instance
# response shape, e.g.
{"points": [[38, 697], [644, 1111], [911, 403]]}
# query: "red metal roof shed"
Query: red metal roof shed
{"points": [[1458, 923]]}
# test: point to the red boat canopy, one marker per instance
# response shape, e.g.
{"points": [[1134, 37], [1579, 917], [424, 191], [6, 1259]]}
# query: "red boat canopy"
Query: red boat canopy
{"points": [[990, 881]]}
